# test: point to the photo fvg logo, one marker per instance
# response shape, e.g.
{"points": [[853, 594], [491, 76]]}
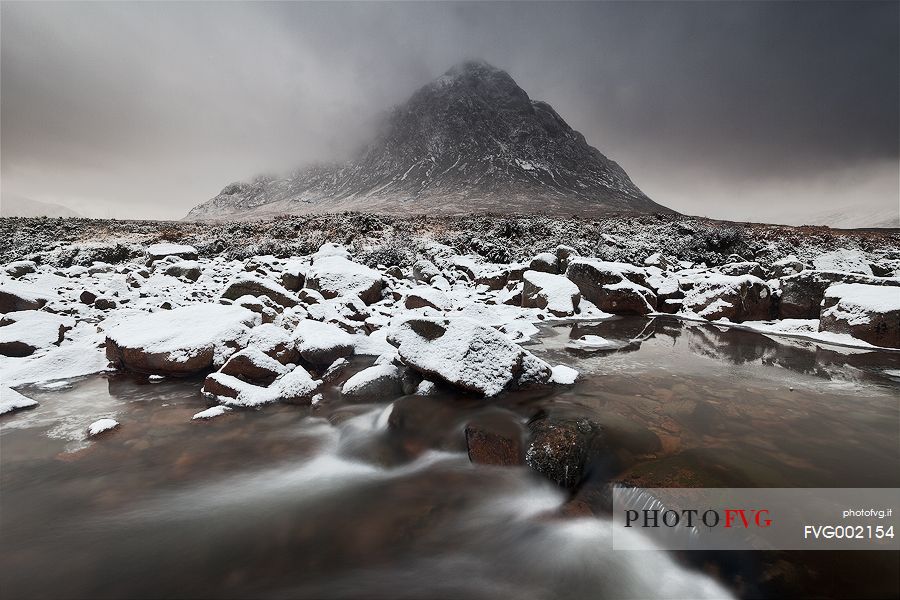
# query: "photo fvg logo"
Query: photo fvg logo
{"points": [[745, 518]]}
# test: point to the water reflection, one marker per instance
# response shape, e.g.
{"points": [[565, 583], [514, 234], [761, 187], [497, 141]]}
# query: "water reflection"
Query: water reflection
{"points": [[379, 500]]}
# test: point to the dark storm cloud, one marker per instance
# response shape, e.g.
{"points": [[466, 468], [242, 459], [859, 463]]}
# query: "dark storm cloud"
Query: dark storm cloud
{"points": [[741, 110]]}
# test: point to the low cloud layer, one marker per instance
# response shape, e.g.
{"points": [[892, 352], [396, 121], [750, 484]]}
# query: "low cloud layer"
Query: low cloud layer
{"points": [[748, 111]]}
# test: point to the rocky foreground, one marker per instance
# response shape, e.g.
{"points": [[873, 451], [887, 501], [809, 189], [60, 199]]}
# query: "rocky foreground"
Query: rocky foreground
{"points": [[272, 311]]}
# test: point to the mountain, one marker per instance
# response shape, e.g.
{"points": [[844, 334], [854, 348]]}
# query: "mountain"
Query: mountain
{"points": [[19, 206], [470, 141]]}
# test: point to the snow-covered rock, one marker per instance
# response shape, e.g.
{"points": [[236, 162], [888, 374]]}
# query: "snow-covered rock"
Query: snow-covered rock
{"points": [[802, 293], [545, 262], [76, 359], [251, 364], [189, 269], [297, 387], [24, 332], [21, 296], [736, 298], [867, 312], [467, 355], [274, 341], [378, 382], [555, 293], [231, 391], [322, 343], [157, 252], [563, 375], [11, 400], [595, 343], [254, 285], [20, 267], [616, 288], [211, 413], [426, 296], [100, 426], [181, 341], [334, 276]]}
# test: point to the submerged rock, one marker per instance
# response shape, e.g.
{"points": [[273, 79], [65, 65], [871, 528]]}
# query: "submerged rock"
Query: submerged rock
{"points": [[491, 445], [563, 451]]}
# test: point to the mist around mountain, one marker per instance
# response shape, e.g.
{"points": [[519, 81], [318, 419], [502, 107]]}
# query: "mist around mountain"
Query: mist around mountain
{"points": [[471, 141], [12, 205]]}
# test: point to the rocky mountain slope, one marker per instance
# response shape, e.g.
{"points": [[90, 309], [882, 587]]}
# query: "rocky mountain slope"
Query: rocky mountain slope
{"points": [[470, 141]]}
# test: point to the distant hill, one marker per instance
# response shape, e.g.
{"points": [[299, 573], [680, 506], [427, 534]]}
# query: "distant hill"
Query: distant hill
{"points": [[12, 205], [471, 141], [855, 218]]}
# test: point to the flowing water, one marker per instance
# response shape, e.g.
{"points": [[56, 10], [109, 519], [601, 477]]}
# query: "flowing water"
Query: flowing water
{"points": [[380, 500]]}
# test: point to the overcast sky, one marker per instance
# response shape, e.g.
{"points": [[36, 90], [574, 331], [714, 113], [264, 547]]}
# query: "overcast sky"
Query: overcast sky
{"points": [[749, 111]]}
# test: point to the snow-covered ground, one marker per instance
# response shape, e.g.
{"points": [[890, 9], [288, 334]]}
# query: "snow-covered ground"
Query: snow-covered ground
{"points": [[269, 328]]}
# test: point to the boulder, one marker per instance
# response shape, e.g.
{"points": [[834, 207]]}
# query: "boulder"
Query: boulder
{"points": [[741, 268], [24, 332], [784, 267], [322, 343], [275, 342], [16, 296], [467, 355], [425, 296], [335, 276], [297, 387], [867, 312], [425, 271], [564, 451], [555, 293], [293, 276], [19, 268], [158, 252], [736, 298], [254, 285], [378, 383], [87, 297], [294, 387], [802, 294], [189, 269], [231, 391], [179, 342], [104, 303], [617, 288], [497, 278], [545, 262], [251, 364], [563, 254]]}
